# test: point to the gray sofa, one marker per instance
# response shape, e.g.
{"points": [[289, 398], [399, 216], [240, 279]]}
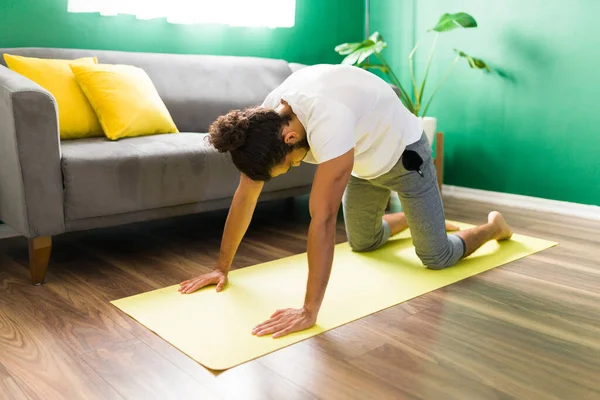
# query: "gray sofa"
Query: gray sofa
{"points": [[49, 187]]}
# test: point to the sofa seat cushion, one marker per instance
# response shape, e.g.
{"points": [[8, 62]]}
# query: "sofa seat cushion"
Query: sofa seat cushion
{"points": [[103, 177]]}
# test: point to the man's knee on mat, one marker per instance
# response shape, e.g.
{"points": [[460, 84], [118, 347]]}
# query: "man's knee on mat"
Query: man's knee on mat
{"points": [[361, 243], [443, 256], [363, 247], [437, 261]]}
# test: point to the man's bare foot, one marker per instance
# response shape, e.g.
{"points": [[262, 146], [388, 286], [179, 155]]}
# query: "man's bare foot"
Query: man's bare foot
{"points": [[451, 227], [504, 230]]}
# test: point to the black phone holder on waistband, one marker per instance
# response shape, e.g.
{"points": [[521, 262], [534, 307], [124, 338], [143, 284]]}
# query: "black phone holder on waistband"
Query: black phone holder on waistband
{"points": [[412, 161]]}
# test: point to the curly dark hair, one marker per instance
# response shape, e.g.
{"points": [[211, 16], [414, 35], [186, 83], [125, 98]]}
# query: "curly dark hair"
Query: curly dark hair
{"points": [[253, 137]]}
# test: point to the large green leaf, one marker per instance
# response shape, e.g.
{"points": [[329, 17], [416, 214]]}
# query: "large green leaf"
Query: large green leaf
{"points": [[449, 22], [358, 52], [347, 48], [475, 63]]}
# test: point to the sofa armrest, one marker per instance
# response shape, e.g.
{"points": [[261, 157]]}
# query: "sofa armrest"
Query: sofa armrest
{"points": [[31, 189]]}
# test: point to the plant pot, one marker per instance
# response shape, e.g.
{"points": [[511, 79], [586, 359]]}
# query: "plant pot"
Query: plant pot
{"points": [[430, 127]]}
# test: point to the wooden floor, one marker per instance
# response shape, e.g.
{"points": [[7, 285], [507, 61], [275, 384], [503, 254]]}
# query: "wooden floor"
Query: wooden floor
{"points": [[528, 330]]}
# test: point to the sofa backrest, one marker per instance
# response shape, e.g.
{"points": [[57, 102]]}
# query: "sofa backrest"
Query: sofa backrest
{"points": [[195, 88]]}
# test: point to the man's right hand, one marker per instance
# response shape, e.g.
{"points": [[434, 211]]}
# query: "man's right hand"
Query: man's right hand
{"points": [[216, 277], [238, 219]]}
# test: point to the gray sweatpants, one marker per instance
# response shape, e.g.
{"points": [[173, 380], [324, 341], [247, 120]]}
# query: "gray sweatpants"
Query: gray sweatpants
{"points": [[365, 201]]}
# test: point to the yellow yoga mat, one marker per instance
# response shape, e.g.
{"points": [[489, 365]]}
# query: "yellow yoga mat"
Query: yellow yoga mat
{"points": [[215, 328]]}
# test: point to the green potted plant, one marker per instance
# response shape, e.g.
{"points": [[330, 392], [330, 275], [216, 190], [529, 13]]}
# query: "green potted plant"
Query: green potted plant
{"points": [[358, 54]]}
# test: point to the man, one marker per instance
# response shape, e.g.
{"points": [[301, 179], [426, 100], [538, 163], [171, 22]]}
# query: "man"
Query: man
{"points": [[366, 143]]}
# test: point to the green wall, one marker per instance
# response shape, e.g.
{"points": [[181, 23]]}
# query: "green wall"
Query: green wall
{"points": [[533, 129], [320, 26]]}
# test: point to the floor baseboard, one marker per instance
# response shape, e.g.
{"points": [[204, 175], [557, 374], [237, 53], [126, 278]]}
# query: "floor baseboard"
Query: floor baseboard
{"points": [[524, 202]]}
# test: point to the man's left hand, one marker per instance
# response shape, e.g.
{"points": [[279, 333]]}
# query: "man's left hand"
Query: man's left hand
{"points": [[284, 322]]}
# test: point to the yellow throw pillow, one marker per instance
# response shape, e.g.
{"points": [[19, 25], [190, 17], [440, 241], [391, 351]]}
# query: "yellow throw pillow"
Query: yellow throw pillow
{"points": [[125, 100], [76, 116]]}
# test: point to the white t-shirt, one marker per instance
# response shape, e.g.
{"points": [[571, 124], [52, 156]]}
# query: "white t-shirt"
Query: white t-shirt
{"points": [[343, 107]]}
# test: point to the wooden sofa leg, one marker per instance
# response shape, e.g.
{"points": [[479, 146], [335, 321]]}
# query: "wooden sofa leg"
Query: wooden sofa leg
{"points": [[39, 257], [439, 159]]}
